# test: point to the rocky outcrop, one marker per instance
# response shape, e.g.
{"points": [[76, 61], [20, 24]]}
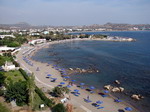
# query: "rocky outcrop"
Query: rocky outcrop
{"points": [[137, 96], [121, 89], [80, 70], [108, 87], [114, 89], [117, 82], [117, 89]]}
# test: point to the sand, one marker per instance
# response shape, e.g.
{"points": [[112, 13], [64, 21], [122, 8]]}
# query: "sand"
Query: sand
{"points": [[77, 101]]}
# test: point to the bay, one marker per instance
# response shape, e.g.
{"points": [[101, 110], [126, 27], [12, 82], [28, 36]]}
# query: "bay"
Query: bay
{"points": [[128, 62]]}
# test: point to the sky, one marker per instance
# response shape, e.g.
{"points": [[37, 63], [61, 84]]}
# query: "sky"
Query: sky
{"points": [[74, 12]]}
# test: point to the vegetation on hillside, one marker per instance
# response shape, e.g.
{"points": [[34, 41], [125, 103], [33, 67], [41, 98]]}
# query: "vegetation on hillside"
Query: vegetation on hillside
{"points": [[2, 79], [13, 76], [60, 91], [13, 42], [3, 59], [59, 108], [18, 92], [3, 108]]}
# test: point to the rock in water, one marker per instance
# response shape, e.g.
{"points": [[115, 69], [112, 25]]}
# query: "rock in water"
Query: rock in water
{"points": [[108, 87], [121, 89], [117, 82], [136, 97], [115, 89]]}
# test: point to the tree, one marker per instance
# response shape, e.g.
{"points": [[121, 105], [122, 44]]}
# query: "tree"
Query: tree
{"points": [[59, 108], [2, 79], [18, 92], [13, 44], [59, 91], [31, 90]]}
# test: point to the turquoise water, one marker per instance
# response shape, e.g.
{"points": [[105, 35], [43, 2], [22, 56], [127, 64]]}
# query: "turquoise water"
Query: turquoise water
{"points": [[128, 62]]}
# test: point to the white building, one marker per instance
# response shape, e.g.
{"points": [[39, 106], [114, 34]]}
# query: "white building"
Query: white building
{"points": [[8, 66], [45, 32], [3, 36], [34, 34], [6, 49], [37, 41]]}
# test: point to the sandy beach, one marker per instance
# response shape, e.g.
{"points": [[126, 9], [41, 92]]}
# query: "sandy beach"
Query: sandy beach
{"points": [[77, 101]]}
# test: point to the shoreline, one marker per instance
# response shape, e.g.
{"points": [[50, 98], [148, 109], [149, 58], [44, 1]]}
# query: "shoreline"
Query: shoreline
{"points": [[121, 105]]}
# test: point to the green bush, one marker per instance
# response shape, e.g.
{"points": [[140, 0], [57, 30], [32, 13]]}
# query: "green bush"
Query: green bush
{"points": [[59, 108], [58, 91], [47, 101], [24, 74], [3, 108], [13, 44], [1, 92], [16, 64], [17, 91], [2, 79]]}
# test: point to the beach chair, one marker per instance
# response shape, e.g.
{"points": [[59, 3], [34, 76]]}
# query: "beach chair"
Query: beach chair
{"points": [[100, 107], [76, 93], [53, 79], [117, 100], [104, 95], [87, 100], [97, 105]]}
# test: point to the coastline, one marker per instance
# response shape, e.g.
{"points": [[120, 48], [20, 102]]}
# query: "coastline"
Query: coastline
{"points": [[109, 105]]}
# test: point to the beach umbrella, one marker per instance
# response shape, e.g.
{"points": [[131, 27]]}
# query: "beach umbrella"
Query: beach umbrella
{"points": [[68, 86], [54, 78], [117, 100], [81, 84], [105, 91], [76, 90], [128, 109], [62, 69], [91, 91], [62, 82], [92, 87], [67, 77], [73, 80], [49, 75], [99, 102]]}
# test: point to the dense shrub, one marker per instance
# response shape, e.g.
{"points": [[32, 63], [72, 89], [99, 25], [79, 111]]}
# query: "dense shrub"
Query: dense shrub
{"points": [[13, 44], [2, 79], [3, 108], [47, 101], [16, 64], [18, 92], [24, 74], [59, 108], [1, 92], [58, 91]]}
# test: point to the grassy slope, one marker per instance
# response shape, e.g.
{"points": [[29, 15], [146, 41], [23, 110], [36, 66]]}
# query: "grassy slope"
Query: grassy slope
{"points": [[13, 76], [3, 108]]}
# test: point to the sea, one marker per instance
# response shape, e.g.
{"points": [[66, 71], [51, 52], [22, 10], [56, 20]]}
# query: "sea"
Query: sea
{"points": [[128, 62]]}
